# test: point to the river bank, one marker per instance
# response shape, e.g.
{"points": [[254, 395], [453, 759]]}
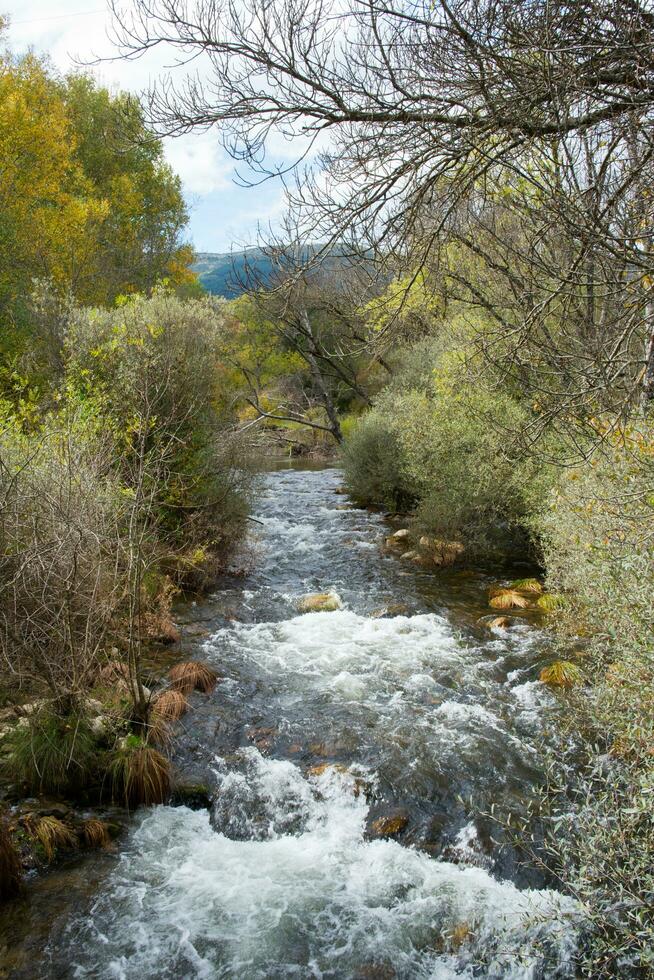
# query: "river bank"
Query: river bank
{"points": [[351, 756]]}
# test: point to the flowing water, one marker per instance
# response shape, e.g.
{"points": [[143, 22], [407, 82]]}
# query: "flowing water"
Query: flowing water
{"points": [[351, 756]]}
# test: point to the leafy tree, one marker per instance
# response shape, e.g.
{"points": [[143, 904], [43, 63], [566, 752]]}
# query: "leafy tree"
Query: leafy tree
{"points": [[87, 205], [138, 243]]}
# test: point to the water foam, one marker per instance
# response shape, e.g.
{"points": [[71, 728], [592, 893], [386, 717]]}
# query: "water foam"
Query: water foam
{"points": [[322, 902]]}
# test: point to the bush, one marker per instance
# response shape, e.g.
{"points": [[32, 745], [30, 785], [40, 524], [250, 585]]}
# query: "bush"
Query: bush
{"points": [[596, 533], [53, 754], [441, 444], [61, 553], [372, 464], [152, 367]]}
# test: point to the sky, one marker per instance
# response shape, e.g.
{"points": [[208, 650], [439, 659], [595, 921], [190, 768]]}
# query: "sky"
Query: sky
{"points": [[223, 214]]}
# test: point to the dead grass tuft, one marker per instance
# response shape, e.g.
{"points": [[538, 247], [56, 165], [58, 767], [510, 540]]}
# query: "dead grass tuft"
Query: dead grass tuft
{"points": [[508, 599], [158, 731], [170, 705], [140, 775], [96, 833], [52, 834], [193, 676], [561, 673]]}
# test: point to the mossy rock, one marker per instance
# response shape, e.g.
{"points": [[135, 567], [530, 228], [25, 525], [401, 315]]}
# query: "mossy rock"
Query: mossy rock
{"points": [[196, 796], [319, 602], [389, 825]]}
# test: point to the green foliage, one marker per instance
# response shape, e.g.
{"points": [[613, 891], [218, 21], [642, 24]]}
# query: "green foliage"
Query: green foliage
{"points": [[87, 205], [140, 235], [372, 461], [53, 753], [440, 442], [151, 367]]}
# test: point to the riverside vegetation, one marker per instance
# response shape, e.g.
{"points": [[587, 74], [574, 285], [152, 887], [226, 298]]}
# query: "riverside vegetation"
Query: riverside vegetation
{"points": [[493, 383], [123, 478]]}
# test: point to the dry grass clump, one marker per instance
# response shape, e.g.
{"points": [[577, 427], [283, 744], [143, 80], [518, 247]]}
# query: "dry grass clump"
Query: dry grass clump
{"points": [[140, 774], [499, 623], [95, 833], [158, 731], [193, 676], [562, 673], [548, 602], [508, 599], [10, 866], [114, 670], [170, 705], [52, 834], [528, 586]]}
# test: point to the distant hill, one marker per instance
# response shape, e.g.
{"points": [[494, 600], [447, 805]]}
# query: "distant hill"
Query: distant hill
{"points": [[224, 273]]}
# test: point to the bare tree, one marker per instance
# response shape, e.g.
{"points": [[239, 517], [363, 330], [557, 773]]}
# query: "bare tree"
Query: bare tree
{"points": [[422, 117]]}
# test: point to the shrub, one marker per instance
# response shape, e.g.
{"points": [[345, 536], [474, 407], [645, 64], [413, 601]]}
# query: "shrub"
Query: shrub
{"points": [[437, 441], [61, 555], [139, 774], [372, 464], [193, 676], [152, 365], [597, 544], [52, 753]]}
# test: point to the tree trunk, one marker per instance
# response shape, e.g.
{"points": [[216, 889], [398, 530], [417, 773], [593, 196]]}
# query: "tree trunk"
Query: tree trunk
{"points": [[647, 388], [318, 380]]}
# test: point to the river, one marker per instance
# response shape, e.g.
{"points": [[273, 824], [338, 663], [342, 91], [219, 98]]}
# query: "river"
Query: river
{"points": [[400, 706]]}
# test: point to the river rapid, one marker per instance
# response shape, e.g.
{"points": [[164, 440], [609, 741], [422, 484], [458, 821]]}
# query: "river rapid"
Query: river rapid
{"points": [[351, 756]]}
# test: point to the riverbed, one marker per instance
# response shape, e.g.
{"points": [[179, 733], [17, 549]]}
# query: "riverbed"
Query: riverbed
{"points": [[353, 758]]}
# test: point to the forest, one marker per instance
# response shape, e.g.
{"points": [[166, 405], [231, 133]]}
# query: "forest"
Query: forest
{"points": [[456, 311]]}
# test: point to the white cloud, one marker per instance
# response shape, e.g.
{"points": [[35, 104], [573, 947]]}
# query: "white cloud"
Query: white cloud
{"points": [[200, 161]]}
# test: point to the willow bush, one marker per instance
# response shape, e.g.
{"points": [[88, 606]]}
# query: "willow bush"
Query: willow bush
{"points": [[441, 448], [152, 366]]}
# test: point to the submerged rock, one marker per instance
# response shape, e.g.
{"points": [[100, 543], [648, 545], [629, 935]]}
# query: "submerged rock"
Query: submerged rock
{"points": [[391, 610], [320, 602], [389, 825]]}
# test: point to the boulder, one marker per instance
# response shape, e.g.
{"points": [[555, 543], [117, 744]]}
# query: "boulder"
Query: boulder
{"points": [[319, 602], [408, 555], [401, 535]]}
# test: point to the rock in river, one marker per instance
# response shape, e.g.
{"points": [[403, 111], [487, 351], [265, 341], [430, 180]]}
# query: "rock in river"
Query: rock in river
{"points": [[319, 602]]}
